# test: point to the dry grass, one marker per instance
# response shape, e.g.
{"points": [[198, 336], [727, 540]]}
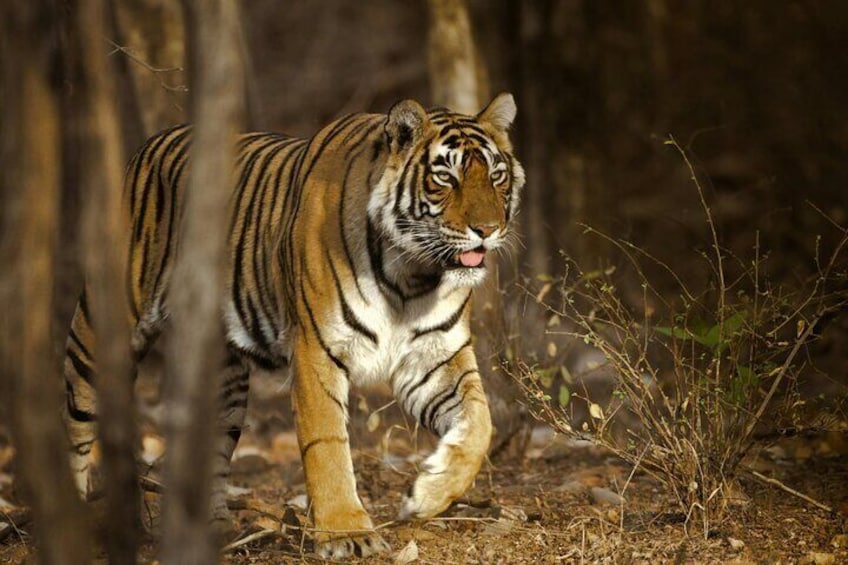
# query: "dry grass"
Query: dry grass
{"points": [[698, 369]]}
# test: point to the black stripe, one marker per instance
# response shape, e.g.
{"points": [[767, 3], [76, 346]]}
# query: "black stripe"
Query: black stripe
{"points": [[178, 161], [241, 300], [348, 315], [401, 185], [83, 370], [375, 256], [75, 413], [83, 304], [75, 338], [292, 194], [447, 325], [153, 176], [260, 359], [320, 440], [235, 403], [429, 410], [326, 140], [303, 177], [170, 240], [336, 361], [343, 233], [423, 380], [263, 180], [447, 410]]}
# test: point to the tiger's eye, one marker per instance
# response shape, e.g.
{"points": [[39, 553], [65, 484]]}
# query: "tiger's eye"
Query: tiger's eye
{"points": [[498, 177], [444, 177]]}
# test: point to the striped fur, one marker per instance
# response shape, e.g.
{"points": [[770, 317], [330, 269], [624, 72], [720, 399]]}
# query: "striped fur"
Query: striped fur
{"points": [[352, 258]]}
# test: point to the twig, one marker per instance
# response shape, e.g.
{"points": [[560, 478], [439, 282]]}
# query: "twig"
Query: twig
{"points": [[13, 520], [790, 490], [247, 539], [155, 70], [799, 342], [171, 90]]}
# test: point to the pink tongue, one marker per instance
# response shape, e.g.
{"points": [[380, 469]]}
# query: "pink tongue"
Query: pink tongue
{"points": [[472, 258]]}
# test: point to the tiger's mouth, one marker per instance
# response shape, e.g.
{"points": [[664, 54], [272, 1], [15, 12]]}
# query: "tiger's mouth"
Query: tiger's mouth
{"points": [[473, 259]]}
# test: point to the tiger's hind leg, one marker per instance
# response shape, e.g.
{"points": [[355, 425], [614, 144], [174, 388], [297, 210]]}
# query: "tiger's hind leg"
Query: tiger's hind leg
{"points": [[232, 407], [80, 410], [79, 372]]}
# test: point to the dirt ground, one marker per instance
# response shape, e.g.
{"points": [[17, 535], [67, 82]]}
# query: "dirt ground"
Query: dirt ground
{"points": [[561, 502]]}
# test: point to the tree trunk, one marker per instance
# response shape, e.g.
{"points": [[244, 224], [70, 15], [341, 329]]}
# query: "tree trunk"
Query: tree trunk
{"points": [[457, 74], [31, 164], [104, 229], [195, 352]]}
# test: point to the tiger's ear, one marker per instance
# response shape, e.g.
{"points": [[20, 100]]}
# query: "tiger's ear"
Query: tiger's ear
{"points": [[404, 124], [500, 112]]}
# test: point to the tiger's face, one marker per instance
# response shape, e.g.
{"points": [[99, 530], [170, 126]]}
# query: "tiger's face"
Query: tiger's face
{"points": [[450, 187]]}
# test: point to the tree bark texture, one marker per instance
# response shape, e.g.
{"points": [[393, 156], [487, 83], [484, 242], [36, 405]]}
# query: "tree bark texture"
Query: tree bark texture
{"points": [[195, 352], [31, 167], [105, 244]]}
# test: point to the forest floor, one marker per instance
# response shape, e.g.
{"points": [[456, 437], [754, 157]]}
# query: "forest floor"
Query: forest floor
{"points": [[561, 502]]}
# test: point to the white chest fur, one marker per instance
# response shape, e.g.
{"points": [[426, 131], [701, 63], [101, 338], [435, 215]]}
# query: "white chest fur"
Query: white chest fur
{"points": [[404, 343]]}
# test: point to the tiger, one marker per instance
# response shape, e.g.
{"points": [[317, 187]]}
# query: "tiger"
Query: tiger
{"points": [[352, 260]]}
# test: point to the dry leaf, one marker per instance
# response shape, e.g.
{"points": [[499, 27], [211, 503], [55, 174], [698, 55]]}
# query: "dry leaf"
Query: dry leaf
{"points": [[408, 554], [373, 422], [596, 411]]}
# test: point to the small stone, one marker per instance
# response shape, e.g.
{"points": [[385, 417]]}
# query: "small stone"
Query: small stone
{"points": [[500, 527], [736, 544], [602, 495], [572, 487], [301, 502], [236, 491]]}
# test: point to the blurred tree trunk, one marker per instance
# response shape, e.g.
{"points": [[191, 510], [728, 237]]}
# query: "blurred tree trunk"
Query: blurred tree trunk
{"points": [[459, 81], [457, 73], [150, 35], [195, 353], [532, 18], [105, 246], [31, 164], [151, 39]]}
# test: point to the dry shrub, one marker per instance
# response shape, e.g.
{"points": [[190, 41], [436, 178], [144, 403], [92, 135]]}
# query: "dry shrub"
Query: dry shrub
{"points": [[697, 369]]}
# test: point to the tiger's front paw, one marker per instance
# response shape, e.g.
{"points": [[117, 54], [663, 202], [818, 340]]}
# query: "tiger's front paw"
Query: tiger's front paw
{"points": [[427, 498], [449, 471], [439, 484], [361, 545]]}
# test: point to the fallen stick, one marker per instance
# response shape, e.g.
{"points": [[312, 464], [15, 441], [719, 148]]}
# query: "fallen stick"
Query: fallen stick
{"points": [[247, 539], [790, 490]]}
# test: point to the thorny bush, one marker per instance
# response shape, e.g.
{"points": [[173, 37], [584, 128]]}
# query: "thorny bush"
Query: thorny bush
{"points": [[698, 371]]}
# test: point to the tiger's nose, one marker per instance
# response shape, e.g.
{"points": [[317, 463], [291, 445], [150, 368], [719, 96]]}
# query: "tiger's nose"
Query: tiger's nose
{"points": [[484, 230]]}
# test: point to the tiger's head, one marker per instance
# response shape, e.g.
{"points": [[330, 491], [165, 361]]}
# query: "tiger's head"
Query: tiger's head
{"points": [[450, 187]]}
